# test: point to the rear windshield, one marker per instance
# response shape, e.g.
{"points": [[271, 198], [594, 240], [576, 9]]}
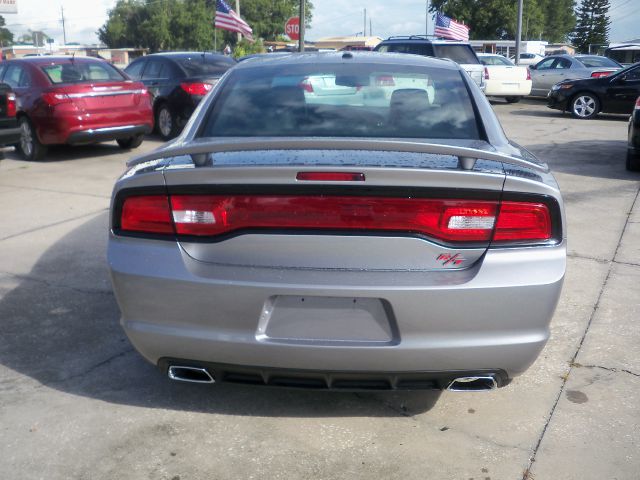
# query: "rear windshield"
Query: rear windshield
{"points": [[197, 66], [78, 72], [424, 49], [594, 61], [357, 100], [458, 53], [495, 60]]}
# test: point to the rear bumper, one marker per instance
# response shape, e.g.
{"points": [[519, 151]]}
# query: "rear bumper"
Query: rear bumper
{"points": [[106, 134], [502, 88], [9, 136], [493, 316]]}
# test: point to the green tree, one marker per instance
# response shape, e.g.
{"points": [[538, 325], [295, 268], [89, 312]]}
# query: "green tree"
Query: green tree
{"points": [[189, 24], [497, 19], [6, 37], [592, 27]]}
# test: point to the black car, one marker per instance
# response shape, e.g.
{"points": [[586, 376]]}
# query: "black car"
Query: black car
{"points": [[587, 97], [177, 82], [633, 147], [9, 131]]}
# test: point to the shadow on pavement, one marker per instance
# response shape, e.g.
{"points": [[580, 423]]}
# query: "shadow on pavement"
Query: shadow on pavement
{"points": [[61, 153], [60, 327], [593, 158]]}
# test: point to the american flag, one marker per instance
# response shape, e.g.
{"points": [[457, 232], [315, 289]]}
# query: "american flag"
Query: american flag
{"points": [[450, 29], [227, 19]]}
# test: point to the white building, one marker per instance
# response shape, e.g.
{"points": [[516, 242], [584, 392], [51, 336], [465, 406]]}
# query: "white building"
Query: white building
{"points": [[507, 48]]}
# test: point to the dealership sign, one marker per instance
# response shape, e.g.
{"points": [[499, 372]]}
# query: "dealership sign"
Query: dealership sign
{"points": [[8, 6]]}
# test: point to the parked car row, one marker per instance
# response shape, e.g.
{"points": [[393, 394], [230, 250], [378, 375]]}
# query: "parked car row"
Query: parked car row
{"points": [[79, 100]]}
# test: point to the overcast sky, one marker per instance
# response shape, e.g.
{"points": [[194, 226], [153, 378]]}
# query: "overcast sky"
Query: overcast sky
{"points": [[330, 17]]}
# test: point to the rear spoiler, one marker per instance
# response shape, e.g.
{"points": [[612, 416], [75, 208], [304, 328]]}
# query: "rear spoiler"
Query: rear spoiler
{"points": [[199, 150]]}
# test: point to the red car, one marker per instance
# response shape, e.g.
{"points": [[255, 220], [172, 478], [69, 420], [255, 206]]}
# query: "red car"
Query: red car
{"points": [[67, 100]]}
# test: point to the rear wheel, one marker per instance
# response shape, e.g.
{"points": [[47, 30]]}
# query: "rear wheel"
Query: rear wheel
{"points": [[29, 146], [633, 162], [131, 142], [513, 99], [585, 105], [166, 122]]}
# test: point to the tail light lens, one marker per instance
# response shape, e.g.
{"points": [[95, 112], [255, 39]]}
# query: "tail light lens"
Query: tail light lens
{"points": [[523, 221], [53, 98], [11, 105], [385, 81], [305, 84], [486, 73], [600, 74], [196, 88], [528, 74], [447, 220], [637, 107], [146, 214]]}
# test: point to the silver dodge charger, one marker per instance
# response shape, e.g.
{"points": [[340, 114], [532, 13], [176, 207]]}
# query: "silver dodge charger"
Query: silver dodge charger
{"points": [[339, 221]]}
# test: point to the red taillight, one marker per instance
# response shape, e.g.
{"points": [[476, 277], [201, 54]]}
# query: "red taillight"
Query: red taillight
{"points": [[330, 176], [146, 214], [486, 73], [447, 220], [600, 74], [528, 74], [11, 104], [196, 88], [385, 81], [523, 221], [305, 84], [637, 107], [53, 98]]}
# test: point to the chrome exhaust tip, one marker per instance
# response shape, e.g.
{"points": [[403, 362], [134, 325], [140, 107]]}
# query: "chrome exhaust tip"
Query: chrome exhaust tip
{"points": [[189, 374], [472, 384]]}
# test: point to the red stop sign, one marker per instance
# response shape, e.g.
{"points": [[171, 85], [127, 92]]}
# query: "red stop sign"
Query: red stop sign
{"points": [[292, 28]]}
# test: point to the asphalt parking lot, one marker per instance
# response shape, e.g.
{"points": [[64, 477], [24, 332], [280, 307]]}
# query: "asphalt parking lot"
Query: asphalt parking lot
{"points": [[77, 402]]}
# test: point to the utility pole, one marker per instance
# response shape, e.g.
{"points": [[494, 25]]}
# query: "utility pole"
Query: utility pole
{"points": [[426, 26], [301, 40], [518, 32], [238, 12], [364, 29], [64, 31]]}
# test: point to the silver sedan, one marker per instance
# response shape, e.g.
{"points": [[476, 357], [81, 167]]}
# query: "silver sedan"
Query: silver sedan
{"points": [[556, 68], [293, 239]]}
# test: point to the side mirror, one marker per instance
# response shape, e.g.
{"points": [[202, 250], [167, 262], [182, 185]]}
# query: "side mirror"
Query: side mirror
{"points": [[532, 67], [623, 78]]}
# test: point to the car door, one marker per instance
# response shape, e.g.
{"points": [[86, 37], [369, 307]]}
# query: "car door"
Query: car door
{"points": [[622, 92], [540, 83], [562, 69], [155, 77]]}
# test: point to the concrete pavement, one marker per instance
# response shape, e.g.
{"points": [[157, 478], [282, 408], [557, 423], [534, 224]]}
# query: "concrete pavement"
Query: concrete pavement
{"points": [[77, 402]]}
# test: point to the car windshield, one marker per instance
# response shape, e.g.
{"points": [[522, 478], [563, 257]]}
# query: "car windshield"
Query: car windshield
{"points": [[78, 72], [357, 100], [458, 53], [495, 60], [211, 65], [594, 61]]}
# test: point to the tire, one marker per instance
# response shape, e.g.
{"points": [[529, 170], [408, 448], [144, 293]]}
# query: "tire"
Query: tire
{"points": [[584, 105], [29, 146], [513, 99], [166, 122], [131, 142], [633, 162]]}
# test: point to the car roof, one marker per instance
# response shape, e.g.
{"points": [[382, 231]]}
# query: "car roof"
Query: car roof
{"points": [[424, 39], [363, 57], [186, 54], [49, 59]]}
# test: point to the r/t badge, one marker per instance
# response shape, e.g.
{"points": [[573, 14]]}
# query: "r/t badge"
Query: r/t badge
{"points": [[448, 259]]}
